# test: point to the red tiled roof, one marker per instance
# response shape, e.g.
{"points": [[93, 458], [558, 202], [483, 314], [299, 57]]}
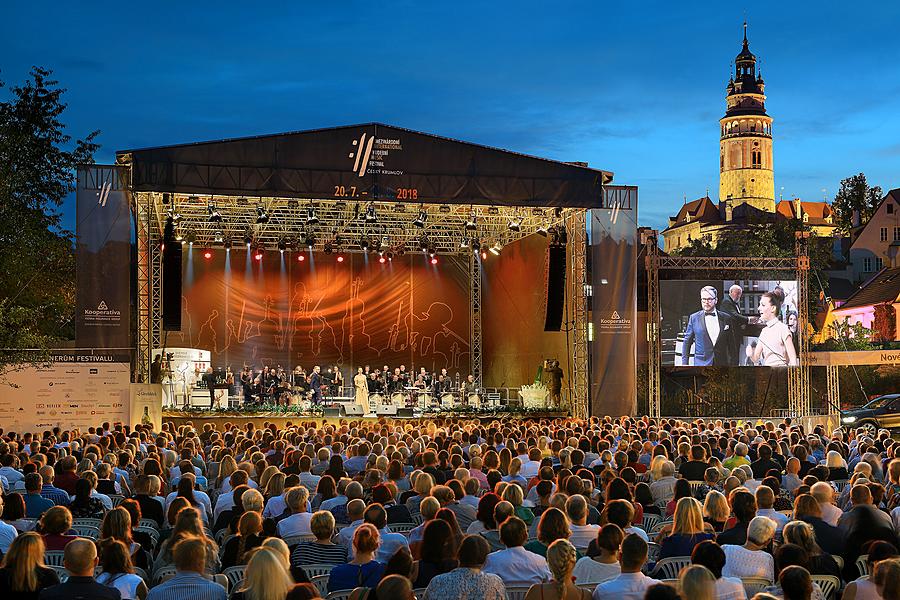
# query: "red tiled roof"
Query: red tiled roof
{"points": [[701, 209], [817, 211], [883, 287]]}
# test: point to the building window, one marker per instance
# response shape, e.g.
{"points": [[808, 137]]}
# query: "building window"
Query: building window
{"points": [[867, 265], [890, 208], [897, 234], [879, 264], [757, 159], [884, 234]]}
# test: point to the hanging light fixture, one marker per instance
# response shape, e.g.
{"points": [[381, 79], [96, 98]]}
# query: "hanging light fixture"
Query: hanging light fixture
{"points": [[311, 218], [261, 215], [370, 214], [214, 215], [420, 220]]}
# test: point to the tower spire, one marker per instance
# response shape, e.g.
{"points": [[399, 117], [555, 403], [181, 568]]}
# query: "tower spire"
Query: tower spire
{"points": [[745, 34]]}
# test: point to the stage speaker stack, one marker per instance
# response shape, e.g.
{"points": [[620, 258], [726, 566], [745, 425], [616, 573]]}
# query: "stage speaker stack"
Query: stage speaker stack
{"points": [[351, 410], [332, 411], [171, 281], [388, 410], [556, 287], [405, 413]]}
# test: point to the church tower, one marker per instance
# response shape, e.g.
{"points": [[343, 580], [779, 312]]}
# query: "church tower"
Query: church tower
{"points": [[745, 146]]}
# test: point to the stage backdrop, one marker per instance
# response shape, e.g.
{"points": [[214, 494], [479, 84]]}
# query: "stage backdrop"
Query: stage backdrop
{"points": [[280, 311]]}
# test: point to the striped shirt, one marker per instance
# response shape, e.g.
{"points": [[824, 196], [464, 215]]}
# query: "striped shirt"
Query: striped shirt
{"points": [[313, 553], [188, 585]]}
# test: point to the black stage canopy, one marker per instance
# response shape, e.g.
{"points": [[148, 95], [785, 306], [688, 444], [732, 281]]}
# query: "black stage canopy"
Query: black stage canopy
{"points": [[367, 162]]}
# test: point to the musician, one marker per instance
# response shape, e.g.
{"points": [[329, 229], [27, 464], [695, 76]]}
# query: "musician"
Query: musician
{"points": [[396, 383], [556, 377], [404, 376], [315, 383], [338, 381], [373, 385], [425, 376], [209, 378], [360, 382], [442, 385], [469, 387], [300, 383], [247, 384]]}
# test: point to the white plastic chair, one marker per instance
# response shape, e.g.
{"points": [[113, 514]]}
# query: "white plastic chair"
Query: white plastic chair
{"points": [[829, 584], [754, 585], [53, 558], [315, 570], [235, 575], [669, 568]]}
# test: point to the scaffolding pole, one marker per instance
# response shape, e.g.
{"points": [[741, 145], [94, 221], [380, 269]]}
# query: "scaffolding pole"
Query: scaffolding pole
{"points": [[577, 233]]}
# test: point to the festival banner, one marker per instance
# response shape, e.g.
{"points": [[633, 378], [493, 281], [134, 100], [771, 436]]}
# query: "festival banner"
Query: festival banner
{"points": [[103, 258], [614, 302], [146, 404], [77, 389]]}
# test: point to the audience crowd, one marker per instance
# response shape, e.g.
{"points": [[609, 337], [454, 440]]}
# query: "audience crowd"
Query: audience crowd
{"points": [[605, 509]]}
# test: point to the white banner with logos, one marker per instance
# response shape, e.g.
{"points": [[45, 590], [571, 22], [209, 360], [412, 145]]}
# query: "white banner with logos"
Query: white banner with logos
{"points": [[76, 390], [853, 357], [146, 404]]}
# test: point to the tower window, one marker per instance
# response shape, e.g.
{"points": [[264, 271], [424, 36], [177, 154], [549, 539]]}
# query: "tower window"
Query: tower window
{"points": [[756, 157]]}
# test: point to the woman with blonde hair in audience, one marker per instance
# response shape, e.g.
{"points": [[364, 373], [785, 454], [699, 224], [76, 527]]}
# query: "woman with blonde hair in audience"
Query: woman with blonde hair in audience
{"points": [[227, 466], [249, 536], [688, 530], [515, 496], [716, 510], [53, 525], [696, 582], [505, 460], [561, 559], [118, 572], [189, 524], [265, 577], [656, 466], [422, 486], [266, 475], [803, 535], [515, 467], [23, 573]]}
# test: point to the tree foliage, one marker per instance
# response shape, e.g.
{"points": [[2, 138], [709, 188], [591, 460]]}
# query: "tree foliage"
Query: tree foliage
{"points": [[37, 261], [854, 195]]}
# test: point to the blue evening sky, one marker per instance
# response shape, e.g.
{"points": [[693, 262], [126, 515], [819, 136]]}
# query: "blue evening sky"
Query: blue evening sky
{"points": [[631, 87]]}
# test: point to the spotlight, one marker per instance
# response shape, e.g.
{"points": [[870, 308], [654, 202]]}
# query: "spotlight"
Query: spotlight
{"points": [[432, 251], [444, 208], [464, 243], [364, 243], [258, 253], [217, 237], [382, 259], [311, 218], [207, 254], [434, 260], [340, 258], [248, 237], [261, 215], [227, 243], [483, 255], [282, 245], [178, 236], [423, 244], [301, 257], [472, 223], [515, 224], [310, 240], [390, 256], [476, 245], [420, 220], [214, 215], [329, 248], [496, 249], [370, 214]]}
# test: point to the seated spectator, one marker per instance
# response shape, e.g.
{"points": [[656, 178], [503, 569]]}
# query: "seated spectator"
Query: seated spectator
{"points": [[465, 514], [617, 489], [117, 525], [630, 584], [151, 508], [14, 513], [438, 553], [561, 558], [322, 550], [620, 513], [80, 561], [83, 505], [837, 466], [664, 487], [23, 573], [886, 578], [861, 524], [190, 555], [644, 497], [688, 530], [716, 510], [697, 583], [682, 490], [765, 503], [117, 571], [265, 578], [248, 537], [582, 533], [58, 496], [863, 588], [515, 565], [751, 558], [764, 463], [819, 563], [428, 509], [824, 495], [468, 581], [514, 495], [695, 468], [363, 570], [710, 555], [389, 542], [35, 503], [795, 584], [605, 565], [502, 511], [54, 526], [808, 510], [188, 524], [134, 512], [396, 513], [743, 505], [7, 531], [552, 526], [298, 522]]}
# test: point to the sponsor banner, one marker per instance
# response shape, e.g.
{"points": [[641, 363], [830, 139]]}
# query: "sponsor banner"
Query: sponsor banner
{"points": [[853, 357], [614, 306], [103, 253], [146, 404], [75, 390]]}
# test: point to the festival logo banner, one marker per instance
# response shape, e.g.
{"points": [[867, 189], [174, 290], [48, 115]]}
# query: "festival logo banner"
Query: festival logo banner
{"points": [[103, 232]]}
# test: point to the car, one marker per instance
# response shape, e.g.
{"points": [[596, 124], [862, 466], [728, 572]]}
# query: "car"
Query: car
{"points": [[881, 413]]}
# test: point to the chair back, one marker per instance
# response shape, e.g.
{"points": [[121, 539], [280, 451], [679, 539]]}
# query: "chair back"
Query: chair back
{"points": [[862, 563], [321, 583], [840, 484], [754, 585], [659, 526], [315, 570], [649, 521], [653, 550], [60, 572], [669, 568], [829, 584], [87, 531], [117, 499], [517, 593], [235, 575], [86, 521], [53, 558], [339, 595], [149, 523], [150, 531], [163, 574], [403, 528]]}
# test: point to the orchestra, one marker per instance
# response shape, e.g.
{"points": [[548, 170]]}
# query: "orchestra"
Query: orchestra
{"points": [[369, 388]]}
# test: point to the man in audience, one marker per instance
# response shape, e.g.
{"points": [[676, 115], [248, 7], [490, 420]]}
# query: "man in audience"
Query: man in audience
{"points": [[80, 560], [35, 503], [189, 582], [765, 502], [582, 533], [515, 565], [298, 522], [743, 505], [631, 584], [356, 508], [390, 542], [694, 469], [824, 494], [51, 492], [764, 463], [465, 514]]}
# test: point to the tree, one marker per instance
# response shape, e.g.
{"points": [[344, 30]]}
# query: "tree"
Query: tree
{"points": [[854, 195], [37, 260]]}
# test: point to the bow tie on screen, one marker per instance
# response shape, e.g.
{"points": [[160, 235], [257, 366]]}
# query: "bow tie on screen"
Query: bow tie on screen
{"points": [[710, 313]]}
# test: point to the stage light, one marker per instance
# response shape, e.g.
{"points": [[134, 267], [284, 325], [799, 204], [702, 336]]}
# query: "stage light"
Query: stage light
{"points": [[420, 220], [515, 224], [301, 257], [483, 255], [472, 223], [390, 255], [258, 254], [178, 236], [476, 245], [227, 243], [311, 218], [217, 237], [248, 237], [329, 248], [537, 212], [207, 254], [340, 258], [464, 244], [364, 243], [370, 214], [423, 244], [261, 215], [493, 210], [496, 249], [434, 260], [542, 230], [282, 245], [214, 216], [444, 208], [382, 259]]}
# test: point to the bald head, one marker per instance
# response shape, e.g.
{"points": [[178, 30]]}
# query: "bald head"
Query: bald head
{"points": [[80, 557]]}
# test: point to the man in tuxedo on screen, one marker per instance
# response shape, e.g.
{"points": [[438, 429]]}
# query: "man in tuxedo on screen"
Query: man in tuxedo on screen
{"points": [[710, 332], [741, 324]]}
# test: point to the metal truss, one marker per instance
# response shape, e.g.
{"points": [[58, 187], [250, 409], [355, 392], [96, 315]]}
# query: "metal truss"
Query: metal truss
{"points": [[149, 279], [350, 225], [798, 378], [476, 362], [577, 227], [834, 390]]}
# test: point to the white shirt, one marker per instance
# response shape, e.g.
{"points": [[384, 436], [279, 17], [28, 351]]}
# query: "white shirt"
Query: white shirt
{"points": [[11, 474], [740, 562], [627, 586], [664, 489], [588, 570], [126, 583], [517, 567], [530, 468], [297, 524], [7, 534], [274, 507], [345, 535], [780, 519], [639, 531], [390, 543], [583, 535], [201, 498], [831, 514], [730, 588], [712, 325]]}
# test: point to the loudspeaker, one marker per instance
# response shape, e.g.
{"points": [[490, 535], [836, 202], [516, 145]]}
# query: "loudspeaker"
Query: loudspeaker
{"points": [[405, 413], [556, 287], [385, 409], [171, 286], [352, 410], [332, 412]]}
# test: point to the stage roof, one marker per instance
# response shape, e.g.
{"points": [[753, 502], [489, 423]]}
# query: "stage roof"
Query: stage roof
{"points": [[365, 162]]}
